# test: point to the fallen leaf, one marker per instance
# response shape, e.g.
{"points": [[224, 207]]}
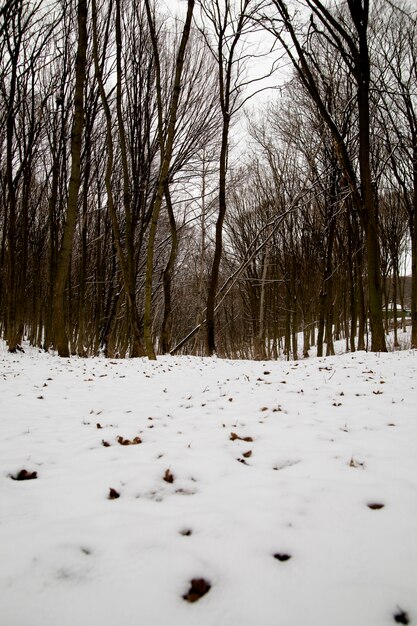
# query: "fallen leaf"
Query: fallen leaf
{"points": [[199, 587], [401, 617], [168, 477], [247, 454], [282, 556], [129, 442], [113, 494], [234, 436], [25, 475]]}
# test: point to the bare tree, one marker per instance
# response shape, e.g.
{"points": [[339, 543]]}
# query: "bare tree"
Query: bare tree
{"points": [[226, 24], [396, 37], [64, 258], [166, 145], [347, 33]]}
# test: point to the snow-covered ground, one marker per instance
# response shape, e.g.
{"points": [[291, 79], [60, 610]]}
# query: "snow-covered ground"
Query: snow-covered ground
{"points": [[329, 437]]}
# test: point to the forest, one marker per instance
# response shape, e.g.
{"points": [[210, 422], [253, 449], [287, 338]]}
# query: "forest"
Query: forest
{"points": [[207, 176]]}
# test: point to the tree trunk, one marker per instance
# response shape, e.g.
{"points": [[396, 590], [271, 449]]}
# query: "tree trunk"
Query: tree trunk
{"points": [[369, 210], [167, 278], [166, 149], [413, 231], [59, 313], [218, 249]]}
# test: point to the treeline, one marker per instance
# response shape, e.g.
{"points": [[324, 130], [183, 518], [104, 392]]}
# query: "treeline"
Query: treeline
{"points": [[131, 224]]}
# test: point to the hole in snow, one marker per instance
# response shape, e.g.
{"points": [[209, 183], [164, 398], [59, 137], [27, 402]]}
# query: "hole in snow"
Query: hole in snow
{"points": [[375, 506]]}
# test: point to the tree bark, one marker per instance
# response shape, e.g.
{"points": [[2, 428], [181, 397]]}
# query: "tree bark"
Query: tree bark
{"points": [[59, 313], [166, 156]]}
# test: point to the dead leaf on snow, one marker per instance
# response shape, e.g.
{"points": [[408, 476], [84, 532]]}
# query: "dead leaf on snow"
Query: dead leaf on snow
{"points": [[354, 463], [25, 475], [198, 588], [282, 556], [129, 442], [401, 617], [113, 494], [235, 436], [168, 477]]}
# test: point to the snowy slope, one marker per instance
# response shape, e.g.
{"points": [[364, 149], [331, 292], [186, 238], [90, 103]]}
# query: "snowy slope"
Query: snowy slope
{"points": [[330, 436]]}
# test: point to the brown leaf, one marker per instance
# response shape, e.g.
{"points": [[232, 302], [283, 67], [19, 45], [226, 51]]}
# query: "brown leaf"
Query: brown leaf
{"points": [[113, 494], [375, 506], [401, 617], [282, 556], [129, 442], [354, 463], [234, 436], [247, 454], [25, 475], [168, 477], [198, 588], [99, 425], [105, 443]]}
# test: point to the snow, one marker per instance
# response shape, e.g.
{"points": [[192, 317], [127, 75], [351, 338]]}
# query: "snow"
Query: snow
{"points": [[330, 436]]}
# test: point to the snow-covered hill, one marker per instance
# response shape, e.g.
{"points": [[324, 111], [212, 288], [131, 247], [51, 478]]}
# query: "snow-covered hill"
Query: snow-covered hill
{"points": [[290, 489]]}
